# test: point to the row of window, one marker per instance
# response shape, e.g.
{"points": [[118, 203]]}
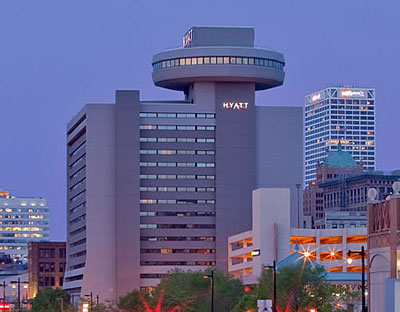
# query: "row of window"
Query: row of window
{"points": [[176, 226], [178, 263], [175, 152], [77, 197], [51, 267], [178, 238], [179, 140], [218, 60], [176, 177], [78, 149], [77, 243], [176, 164], [176, 189], [177, 214], [178, 201], [78, 208], [51, 253], [177, 250], [77, 173], [173, 127], [77, 185], [178, 115], [77, 162], [78, 219], [77, 231]]}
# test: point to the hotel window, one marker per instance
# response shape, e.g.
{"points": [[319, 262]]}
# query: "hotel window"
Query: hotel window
{"points": [[213, 60], [199, 60], [206, 60]]}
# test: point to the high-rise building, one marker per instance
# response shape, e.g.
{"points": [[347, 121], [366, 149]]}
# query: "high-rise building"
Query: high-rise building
{"points": [[22, 220], [158, 185], [339, 114]]}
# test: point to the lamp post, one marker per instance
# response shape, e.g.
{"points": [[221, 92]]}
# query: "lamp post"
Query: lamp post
{"points": [[91, 301], [273, 268], [362, 254], [211, 276], [18, 282]]}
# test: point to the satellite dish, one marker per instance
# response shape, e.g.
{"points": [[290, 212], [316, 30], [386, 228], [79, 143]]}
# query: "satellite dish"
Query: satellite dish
{"points": [[396, 187], [372, 194]]}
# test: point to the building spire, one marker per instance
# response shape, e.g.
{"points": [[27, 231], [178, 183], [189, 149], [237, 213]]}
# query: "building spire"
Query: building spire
{"points": [[339, 146]]}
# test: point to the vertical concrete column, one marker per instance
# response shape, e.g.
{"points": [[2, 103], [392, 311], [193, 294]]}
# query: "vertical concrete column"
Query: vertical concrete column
{"points": [[127, 195]]}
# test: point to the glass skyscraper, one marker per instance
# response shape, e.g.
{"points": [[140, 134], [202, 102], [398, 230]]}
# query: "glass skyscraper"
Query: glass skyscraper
{"points": [[336, 115]]}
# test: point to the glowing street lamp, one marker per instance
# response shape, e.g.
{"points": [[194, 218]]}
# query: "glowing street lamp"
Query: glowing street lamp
{"points": [[85, 307], [307, 254], [332, 253], [362, 254], [349, 260], [273, 268], [211, 276]]}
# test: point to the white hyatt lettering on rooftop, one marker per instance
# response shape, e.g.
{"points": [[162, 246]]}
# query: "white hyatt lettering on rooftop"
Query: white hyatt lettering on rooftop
{"points": [[235, 105]]}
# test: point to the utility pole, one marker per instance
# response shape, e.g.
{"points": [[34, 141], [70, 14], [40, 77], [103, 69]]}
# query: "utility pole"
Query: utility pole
{"points": [[298, 205], [4, 291], [97, 300], [19, 293]]}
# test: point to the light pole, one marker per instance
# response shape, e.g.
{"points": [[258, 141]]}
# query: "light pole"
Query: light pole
{"points": [[91, 301], [362, 254], [298, 204], [18, 282], [273, 268], [211, 276]]}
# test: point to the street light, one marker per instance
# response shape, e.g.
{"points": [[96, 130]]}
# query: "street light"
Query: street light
{"points": [[349, 261], [273, 268], [18, 282], [211, 276], [91, 301]]}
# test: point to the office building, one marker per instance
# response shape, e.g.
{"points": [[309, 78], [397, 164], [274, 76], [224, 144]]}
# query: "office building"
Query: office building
{"points": [[271, 238], [46, 266], [22, 220], [339, 114], [158, 185]]}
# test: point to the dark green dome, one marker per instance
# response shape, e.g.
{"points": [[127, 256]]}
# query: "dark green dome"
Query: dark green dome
{"points": [[340, 159]]}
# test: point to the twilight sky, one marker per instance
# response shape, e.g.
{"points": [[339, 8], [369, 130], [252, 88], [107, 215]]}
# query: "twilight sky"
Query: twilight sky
{"points": [[57, 55]]}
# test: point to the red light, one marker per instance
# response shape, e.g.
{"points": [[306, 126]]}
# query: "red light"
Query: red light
{"points": [[246, 289]]}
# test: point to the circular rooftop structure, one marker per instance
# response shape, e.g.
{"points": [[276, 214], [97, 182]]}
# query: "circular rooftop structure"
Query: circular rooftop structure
{"points": [[218, 54]]}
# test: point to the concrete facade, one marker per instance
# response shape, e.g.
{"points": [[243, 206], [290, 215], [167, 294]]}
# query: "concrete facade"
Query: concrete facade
{"points": [[158, 185], [275, 240], [384, 252]]}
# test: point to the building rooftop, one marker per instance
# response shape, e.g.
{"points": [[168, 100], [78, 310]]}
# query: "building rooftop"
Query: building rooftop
{"points": [[341, 159]]}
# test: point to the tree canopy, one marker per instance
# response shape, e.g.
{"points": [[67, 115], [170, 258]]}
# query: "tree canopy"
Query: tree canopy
{"points": [[50, 299], [187, 292]]}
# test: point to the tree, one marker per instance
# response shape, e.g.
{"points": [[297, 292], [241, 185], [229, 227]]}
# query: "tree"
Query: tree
{"points": [[133, 301], [299, 287], [50, 299], [187, 292]]}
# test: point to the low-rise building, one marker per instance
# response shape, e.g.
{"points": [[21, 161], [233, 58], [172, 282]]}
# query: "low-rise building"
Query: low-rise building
{"points": [[384, 251], [46, 265], [271, 238]]}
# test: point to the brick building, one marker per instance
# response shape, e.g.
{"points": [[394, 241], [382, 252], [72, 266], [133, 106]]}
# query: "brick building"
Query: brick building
{"points": [[337, 166], [46, 265]]}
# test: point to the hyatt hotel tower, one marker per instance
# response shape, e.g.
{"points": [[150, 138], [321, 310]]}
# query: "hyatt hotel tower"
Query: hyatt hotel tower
{"points": [[158, 185]]}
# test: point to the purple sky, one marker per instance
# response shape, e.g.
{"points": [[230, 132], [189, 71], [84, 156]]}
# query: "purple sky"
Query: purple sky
{"points": [[55, 56]]}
